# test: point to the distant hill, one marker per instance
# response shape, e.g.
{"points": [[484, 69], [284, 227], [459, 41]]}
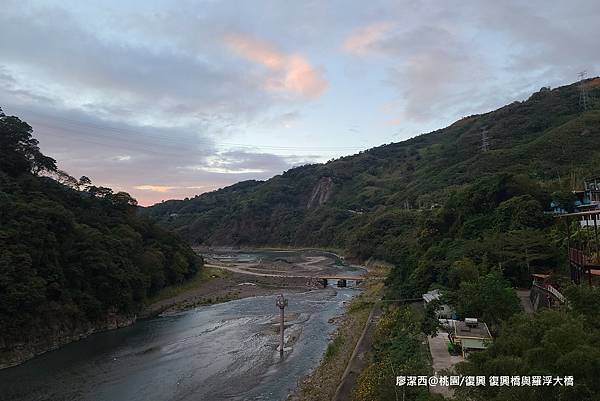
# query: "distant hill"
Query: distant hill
{"points": [[74, 258], [544, 138]]}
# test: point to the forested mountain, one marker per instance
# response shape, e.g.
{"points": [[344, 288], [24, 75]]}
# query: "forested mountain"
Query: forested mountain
{"points": [[383, 201], [74, 258], [446, 213]]}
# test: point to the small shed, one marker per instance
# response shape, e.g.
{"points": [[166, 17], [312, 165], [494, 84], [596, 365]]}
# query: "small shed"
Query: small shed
{"points": [[444, 311]]}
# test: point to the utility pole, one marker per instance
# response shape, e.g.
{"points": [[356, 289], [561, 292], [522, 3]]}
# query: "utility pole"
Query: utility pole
{"points": [[485, 141], [583, 95], [281, 303]]}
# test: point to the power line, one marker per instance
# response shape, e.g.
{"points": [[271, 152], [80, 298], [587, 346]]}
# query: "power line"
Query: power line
{"points": [[117, 134]]}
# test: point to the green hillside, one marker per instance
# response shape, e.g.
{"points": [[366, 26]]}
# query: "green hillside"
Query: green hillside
{"points": [[541, 139], [73, 257]]}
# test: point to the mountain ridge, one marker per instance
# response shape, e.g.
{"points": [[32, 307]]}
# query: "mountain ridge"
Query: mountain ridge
{"points": [[544, 137]]}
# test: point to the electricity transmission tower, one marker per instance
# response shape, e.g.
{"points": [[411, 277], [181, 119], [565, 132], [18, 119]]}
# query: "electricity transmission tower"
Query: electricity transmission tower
{"points": [[584, 100], [485, 141]]}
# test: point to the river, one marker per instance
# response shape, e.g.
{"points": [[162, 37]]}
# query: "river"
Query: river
{"points": [[219, 352]]}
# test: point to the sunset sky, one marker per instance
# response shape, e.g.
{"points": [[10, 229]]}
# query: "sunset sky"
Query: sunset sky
{"points": [[168, 99]]}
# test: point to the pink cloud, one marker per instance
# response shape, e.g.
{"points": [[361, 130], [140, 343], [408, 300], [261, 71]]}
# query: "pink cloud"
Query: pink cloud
{"points": [[362, 40], [292, 72], [155, 188]]}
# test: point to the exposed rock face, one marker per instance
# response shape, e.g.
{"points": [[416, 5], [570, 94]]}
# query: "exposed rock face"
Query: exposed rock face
{"points": [[321, 193], [16, 353]]}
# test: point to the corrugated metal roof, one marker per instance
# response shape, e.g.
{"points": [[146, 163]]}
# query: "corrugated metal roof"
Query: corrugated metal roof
{"points": [[431, 295]]}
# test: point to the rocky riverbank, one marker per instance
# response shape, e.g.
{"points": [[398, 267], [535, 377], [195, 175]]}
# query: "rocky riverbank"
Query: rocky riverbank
{"points": [[214, 287], [16, 353], [226, 286]]}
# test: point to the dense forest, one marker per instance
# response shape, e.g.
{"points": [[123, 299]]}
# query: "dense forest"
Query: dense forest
{"points": [[74, 257], [445, 213]]}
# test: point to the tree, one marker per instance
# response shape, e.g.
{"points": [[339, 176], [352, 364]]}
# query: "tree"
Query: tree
{"points": [[430, 322], [520, 212], [65, 179], [19, 150], [463, 270], [519, 252], [99, 192], [550, 342], [489, 298], [84, 182], [67, 260], [123, 199]]}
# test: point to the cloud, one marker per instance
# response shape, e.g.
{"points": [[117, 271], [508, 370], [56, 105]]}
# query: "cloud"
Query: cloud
{"points": [[123, 104], [155, 188], [445, 62], [247, 162], [429, 64], [136, 94], [363, 40], [292, 72]]}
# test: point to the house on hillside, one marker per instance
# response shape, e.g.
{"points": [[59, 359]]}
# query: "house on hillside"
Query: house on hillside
{"points": [[583, 244], [444, 311], [586, 199], [471, 335], [589, 198]]}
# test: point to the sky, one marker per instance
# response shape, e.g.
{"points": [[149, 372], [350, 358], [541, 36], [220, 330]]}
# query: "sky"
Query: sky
{"points": [[170, 99]]}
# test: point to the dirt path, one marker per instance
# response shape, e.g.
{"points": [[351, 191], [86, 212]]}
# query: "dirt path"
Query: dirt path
{"points": [[525, 301], [359, 357], [263, 272], [441, 360], [239, 270]]}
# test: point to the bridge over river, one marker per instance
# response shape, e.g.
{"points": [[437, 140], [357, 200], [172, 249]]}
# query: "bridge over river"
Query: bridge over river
{"points": [[324, 279]]}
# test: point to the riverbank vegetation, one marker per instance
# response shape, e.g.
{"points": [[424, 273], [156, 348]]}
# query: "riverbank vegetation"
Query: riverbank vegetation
{"points": [[73, 255], [555, 343], [204, 275], [322, 383], [399, 348]]}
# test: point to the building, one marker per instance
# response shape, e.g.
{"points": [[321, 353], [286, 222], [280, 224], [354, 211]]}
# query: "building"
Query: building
{"points": [[586, 199], [589, 198], [583, 245], [471, 335], [444, 311]]}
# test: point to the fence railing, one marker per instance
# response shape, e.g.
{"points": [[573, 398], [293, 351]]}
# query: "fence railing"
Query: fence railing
{"points": [[577, 257]]}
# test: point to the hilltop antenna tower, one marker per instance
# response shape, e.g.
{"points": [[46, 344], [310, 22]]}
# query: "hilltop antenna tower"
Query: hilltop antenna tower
{"points": [[485, 140], [583, 95]]}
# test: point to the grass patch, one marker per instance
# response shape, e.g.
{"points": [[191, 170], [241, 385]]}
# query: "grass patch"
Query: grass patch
{"points": [[333, 348], [204, 275], [322, 383]]}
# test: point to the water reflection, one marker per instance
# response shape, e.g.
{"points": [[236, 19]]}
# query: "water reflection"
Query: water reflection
{"points": [[218, 352]]}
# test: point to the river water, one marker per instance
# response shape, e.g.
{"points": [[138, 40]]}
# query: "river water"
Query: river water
{"points": [[219, 352]]}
